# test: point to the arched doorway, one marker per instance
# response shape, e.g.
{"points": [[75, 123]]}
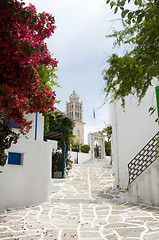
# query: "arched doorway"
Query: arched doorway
{"points": [[97, 144]]}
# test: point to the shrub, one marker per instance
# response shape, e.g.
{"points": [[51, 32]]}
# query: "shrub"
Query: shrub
{"points": [[85, 148], [108, 148]]}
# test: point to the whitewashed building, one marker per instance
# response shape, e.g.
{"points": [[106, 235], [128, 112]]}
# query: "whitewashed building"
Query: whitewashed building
{"points": [[131, 131], [26, 177]]}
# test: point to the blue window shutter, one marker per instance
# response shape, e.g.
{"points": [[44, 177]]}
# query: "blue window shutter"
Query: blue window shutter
{"points": [[14, 158], [10, 123]]}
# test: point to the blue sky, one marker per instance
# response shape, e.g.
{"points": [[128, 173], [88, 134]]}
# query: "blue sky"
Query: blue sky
{"points": [[80, 46]]}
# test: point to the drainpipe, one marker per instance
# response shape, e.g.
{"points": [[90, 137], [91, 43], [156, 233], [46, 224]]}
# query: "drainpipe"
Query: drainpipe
{"points": [[36, 125], [157, 99], [63, 159], [117, 153], [66, 151]]}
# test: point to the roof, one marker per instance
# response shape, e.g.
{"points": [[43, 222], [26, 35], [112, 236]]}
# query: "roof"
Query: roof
{"points": [[56, 135]]}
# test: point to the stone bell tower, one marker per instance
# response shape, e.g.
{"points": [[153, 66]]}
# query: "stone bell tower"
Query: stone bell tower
{"points": [[74, 110]]}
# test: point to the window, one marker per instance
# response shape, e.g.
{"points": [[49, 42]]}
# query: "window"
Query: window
{"points": [[10, 123], [15, 158]]}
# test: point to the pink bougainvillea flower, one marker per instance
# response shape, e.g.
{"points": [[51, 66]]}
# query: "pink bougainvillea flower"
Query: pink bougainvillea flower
{"points": [[22, 50]]}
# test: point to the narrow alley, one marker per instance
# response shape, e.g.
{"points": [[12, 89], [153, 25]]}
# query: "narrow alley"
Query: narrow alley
{"points": [[83, 206]]}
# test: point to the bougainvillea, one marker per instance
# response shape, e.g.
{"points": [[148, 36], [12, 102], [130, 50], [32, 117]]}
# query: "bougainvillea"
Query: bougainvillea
{"points": [[22, 50]]}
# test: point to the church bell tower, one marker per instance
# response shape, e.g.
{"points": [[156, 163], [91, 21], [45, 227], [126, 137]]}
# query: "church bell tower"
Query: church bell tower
{"points": [[74, 110]]}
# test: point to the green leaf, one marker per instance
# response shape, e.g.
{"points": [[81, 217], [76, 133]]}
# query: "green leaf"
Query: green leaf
{"points": [[116, 9], [122, 3], [123, 14], [130, 15], [147, 17], [140, 70], [136, 2], [152, 110], [138, 12], [132, 73], [107, 1], [139, 18], [112, 4]]}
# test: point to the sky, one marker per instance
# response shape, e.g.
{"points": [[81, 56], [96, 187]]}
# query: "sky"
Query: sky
{"points": [[80, 46]]}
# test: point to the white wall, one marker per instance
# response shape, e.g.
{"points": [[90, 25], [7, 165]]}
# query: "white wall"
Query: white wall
{"points": [[27, 184], [145, 189], [82, 157], [131, 130], [40, 127], [53, 144]]}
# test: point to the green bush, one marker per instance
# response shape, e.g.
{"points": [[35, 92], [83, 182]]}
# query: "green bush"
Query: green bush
{"points": [[75, 147], [85, 148], [108, 148]]}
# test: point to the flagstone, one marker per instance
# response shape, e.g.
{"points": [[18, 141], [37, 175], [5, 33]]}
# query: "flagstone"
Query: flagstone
{"points": [[100, 222], [13, 217], [30, 237], [65, 224], [135, 214], [3, 229], [134, 221], [88, 235], [99, 238], [142, 219], [115, 218], [152, 225], [68, 234], [51, 234], [102, 212], [111, 237], [14, 235], [120, 225], [107, 231], [152, 236], [87, 228], [16, 227], [130, 232]]}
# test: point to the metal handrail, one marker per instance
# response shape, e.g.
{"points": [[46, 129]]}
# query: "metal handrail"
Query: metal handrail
{"points": [[144, 158]]}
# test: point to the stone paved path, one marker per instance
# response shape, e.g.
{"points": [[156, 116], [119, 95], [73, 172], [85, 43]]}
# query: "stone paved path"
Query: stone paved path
{"points": [[83, 207]]}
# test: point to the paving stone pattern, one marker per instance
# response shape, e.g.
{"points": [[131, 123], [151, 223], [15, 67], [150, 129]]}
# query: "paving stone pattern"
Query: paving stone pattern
{"points": [[84, 206]]}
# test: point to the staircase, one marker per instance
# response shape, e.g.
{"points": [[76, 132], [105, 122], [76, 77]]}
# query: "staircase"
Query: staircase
{"points": [[144, 158], [143, 183]]}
